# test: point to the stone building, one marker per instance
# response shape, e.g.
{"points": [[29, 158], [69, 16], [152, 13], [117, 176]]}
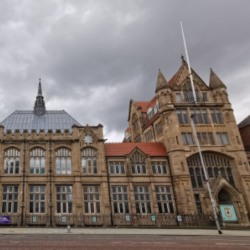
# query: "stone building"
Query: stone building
{"points": [[55, 171], [166, 118]]}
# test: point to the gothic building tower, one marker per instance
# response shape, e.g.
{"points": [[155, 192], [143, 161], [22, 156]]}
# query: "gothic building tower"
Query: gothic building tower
{"points": [[166, 118]]}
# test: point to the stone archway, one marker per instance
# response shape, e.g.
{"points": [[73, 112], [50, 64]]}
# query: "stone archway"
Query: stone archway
{"points": [[224, 197], [227, 207]]}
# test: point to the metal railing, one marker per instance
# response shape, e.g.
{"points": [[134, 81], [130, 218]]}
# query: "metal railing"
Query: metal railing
{"points": [[106, 220]]}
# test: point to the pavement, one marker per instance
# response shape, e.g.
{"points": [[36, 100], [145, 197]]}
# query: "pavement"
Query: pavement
{"points": [[122, 231]]}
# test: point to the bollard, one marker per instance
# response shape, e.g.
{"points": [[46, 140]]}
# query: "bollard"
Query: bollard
{"points": [[68, 229]]}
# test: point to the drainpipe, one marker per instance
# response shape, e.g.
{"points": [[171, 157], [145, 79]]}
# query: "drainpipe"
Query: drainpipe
{"points": [[174, 193], [110, 203], [23, 180], [50, 184]]}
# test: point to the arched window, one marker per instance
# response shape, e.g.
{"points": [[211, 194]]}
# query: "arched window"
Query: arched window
{"points": [[89, 160], [37, 161], [138, 163], [12, 161], [63, 161], [188, 92], [216, 164]]}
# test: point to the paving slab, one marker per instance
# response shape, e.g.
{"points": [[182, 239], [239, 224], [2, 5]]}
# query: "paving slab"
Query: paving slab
{"points": [[123, 231]]}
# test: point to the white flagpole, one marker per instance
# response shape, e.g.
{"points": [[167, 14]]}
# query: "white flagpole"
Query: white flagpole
{"points": [[213, 202], [189, 68]]}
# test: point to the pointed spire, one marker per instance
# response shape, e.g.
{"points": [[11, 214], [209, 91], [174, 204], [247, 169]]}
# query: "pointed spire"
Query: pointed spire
{"points": [[215, 81], [161, 81], [40, 88], [39, 108]]}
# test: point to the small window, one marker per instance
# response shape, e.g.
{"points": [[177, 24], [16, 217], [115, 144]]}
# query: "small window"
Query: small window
{"points": [[116, 167], [159, 168], [178, 97], [222, 138], [187, 138]]}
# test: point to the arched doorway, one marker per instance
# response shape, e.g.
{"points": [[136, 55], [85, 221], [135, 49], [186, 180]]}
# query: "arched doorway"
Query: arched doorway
{"points": [[227, 209]]}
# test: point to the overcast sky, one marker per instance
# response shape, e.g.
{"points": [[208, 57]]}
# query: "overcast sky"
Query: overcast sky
{"points": [[94, 56]]}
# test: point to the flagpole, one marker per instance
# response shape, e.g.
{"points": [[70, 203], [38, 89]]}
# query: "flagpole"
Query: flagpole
{"points": [[189, 68], [212, 200]]}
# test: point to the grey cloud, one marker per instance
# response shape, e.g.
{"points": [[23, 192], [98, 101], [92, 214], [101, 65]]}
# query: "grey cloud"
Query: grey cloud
{"points": [[94, 56]]}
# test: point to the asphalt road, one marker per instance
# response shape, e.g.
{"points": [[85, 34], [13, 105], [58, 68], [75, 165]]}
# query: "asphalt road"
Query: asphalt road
{"points": [[121, 242]]}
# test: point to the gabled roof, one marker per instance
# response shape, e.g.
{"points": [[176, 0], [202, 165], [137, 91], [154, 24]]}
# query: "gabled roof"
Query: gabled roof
{"points": [[122, 149], [245, 122], [28, 120], [183, 72], [145, 105]]}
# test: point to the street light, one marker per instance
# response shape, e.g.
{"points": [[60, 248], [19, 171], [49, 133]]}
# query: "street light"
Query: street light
{"points": [[212, 200]]}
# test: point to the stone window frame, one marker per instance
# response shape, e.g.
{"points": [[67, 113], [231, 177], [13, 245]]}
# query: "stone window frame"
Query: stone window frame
{"points": [[92, 199], [64, 199], [165, 199], [142, 199], [37, 199], [120, 199], [10, 199], [63, 161], [37, 156], [116, 167], [12, 161], [89, 165]]}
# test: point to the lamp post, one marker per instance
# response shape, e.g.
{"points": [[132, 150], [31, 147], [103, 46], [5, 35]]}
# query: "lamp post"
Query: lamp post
{"points": [[212, 200]]}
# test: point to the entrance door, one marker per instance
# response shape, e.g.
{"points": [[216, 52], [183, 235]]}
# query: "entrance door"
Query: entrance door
{"points": [[227, 210]]}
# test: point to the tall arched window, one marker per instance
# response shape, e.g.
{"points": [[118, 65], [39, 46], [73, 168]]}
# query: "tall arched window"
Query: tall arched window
{"points": [[37, 161], [63, 161], [188, 92], [216, 164], [89, 160], [12, 161]]}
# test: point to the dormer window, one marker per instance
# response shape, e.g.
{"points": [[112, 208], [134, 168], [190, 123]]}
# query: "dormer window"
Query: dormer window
{"points": [[157, 105], [155, 109], [150, 112], [178, 97]]}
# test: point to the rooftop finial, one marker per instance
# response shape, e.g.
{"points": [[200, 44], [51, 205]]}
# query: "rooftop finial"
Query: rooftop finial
{"points": [[40, 87], [39, 107]]}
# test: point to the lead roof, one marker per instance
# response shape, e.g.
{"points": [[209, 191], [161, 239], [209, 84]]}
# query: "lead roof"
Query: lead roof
{"points": [[33, 120]]}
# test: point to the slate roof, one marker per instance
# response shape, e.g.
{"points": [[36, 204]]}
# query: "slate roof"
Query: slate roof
{"points": [[245, 122], [28, 120], [121, 149]]}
